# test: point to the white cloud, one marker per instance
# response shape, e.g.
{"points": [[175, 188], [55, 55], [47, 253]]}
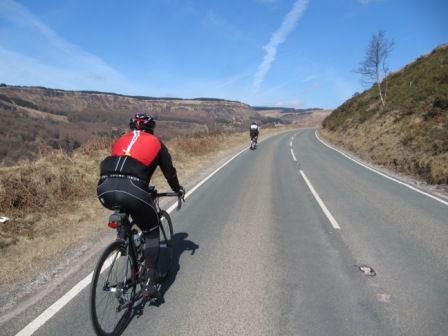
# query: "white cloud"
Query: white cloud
{"points": [[46, 59], [277, 38]]}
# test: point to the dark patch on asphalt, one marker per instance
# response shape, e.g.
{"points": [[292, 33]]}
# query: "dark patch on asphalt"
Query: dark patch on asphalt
{"points": [[367, 270]]}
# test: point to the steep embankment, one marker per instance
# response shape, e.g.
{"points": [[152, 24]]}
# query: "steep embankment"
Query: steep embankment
{"points": [[408, 135], [36, 119]]}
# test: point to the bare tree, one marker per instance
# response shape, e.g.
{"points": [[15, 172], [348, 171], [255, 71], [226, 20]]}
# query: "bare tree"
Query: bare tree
{"points": [[374, 66]]}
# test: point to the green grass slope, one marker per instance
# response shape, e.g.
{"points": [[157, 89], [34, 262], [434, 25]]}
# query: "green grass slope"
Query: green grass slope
{"points": [[410, 135]]}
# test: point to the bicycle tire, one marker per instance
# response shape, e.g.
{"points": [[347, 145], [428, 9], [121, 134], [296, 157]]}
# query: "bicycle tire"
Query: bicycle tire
{"points": [[112, 292], [166, 244]]}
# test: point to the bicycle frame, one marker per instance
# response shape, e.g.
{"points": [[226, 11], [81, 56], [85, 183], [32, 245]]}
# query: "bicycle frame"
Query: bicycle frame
{"points": [[119, 220], [119, 270]]}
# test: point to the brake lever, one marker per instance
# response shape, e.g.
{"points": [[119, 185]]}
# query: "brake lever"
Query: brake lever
{"points": [[179, 203]]}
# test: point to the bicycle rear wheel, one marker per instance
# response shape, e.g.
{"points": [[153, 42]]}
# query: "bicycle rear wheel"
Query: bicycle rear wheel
{"points": [[112, 291], [166, 244]]}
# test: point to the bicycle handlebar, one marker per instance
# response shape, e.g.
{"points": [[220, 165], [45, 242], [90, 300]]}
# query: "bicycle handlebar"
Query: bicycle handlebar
{"points": [[167, 194], [179, 196]]}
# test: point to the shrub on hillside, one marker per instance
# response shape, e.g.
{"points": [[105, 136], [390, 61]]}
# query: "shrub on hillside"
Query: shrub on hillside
{"points": [[414, 122], [197, 144]]}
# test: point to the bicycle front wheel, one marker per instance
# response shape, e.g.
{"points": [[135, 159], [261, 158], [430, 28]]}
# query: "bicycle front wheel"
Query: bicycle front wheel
{"points": [[112, 290], [166, 244]]}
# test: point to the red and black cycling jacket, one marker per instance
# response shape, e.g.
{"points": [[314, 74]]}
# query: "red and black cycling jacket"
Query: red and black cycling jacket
{"points": [[138, 154]]}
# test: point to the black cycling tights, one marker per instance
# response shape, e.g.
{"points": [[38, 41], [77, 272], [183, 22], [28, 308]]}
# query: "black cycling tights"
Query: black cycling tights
{"points": [[135, 198], [151, 250]]}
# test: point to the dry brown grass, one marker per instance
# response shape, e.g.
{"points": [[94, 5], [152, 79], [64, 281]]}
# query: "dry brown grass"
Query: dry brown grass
{"points": [[382, 142], [53, 200], [410, 134]]}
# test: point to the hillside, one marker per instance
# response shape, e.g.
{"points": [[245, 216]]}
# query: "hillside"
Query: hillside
{"points": [[37, 119], [311, 117], [410, 135]]}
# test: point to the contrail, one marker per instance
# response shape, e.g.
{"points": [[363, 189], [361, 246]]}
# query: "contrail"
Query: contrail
{"points": [[277, 38]]}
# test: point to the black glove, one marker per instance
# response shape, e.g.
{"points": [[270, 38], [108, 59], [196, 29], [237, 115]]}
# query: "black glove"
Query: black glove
{"points": [[181, 191]]}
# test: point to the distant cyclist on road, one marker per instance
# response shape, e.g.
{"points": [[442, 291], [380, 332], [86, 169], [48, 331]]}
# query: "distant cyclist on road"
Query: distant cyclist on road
{"points": [[254, 131], [124, 180]]}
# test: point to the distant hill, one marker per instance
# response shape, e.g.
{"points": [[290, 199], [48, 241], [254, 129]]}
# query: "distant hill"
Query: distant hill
{"points": [[287, 115], [285, 109], [38, 119], [35, 119], [410, 134]]}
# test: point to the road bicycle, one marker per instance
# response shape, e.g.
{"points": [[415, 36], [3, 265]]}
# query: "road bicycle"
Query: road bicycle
{"points": [[121, 266], [253, 143]]}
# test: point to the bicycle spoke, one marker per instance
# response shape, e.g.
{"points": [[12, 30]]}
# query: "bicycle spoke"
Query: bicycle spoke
{"points": [[113, 290]]}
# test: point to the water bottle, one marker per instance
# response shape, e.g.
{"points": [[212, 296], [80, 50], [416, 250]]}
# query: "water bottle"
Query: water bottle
{"points": [[137, 240]]}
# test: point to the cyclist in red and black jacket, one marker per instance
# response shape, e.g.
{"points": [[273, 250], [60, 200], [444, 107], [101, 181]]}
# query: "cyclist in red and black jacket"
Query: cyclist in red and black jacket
{"points": [[124, 182]]}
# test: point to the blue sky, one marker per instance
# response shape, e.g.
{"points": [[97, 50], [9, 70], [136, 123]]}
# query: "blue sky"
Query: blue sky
{"points": [[292, 53]]}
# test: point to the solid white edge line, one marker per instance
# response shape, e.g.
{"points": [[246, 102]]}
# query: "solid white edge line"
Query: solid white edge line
{"points": [[67, 297], [59, 304], [55, 307], [382, 174], [293, 156], [327, 212], [172, 207]]}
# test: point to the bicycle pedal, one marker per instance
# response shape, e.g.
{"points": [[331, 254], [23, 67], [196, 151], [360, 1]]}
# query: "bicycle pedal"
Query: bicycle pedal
{"points": [[150, 296]]}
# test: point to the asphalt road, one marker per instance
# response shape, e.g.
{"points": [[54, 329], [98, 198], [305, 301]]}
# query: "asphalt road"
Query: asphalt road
{"points": [[257, 255]]}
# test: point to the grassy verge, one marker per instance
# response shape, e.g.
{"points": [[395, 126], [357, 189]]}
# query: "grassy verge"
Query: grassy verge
{"points": [[410, 134], [53, 200]]}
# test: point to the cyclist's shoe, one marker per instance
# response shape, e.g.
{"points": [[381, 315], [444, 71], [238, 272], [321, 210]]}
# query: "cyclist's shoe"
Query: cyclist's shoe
{"points": [[149, 284], [150, 290]]}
